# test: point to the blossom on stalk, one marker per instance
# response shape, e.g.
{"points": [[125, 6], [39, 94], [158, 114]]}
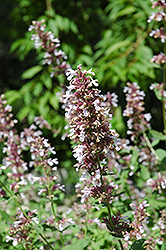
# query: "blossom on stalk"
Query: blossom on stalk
{"points": [[46, 40], [20, 231], [161, 225], [103, 193], [160, 3], [119, 227], [140, 218], [14, 160], [157, 16], [158, 183], [160, 91], [138, 122], [6, 122], [159, 33], [159, 59], [88, 116]]}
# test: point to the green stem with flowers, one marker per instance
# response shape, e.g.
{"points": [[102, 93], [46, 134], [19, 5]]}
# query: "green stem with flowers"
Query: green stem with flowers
{"points": [[109, 207]]}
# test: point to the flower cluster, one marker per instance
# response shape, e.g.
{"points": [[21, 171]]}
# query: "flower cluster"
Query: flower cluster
{"points": [[158, 184], [138, 122], [161, 225], [140, 217], [159, 33], [103, 193], [159, 16], [159, 59], [50, 44], [31, 142], [87, 114], [119, 227], [14, 160], [6, 122], [160, 3], [20, 231]]}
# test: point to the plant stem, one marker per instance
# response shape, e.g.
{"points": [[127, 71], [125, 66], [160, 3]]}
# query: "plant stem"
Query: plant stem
{"points": [[54, 213], [15, 199], [150, 146], [108, 205], [120, 242], [49, 5], [109, 216], [112, 224], [53, 210]]}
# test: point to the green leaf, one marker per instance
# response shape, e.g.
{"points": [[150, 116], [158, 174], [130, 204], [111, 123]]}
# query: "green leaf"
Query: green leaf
{"points": [[134, 158], [161, 153], [23, 112], [145, 172], [12, 96], [15, 45], [117, 46], [138, 245], [77, 245], [26, 188], [157, 204], [126, 11], [38, 89], [155, 142], [37, 227], [5, 216], [29, 73], [157, 135]]}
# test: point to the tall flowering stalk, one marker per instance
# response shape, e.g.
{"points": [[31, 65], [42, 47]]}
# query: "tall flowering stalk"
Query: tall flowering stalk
{"points": [[89, 122], [53, 56], [138, 124], [87, 114]]}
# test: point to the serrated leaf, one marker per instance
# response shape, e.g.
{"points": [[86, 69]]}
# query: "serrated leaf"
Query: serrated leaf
{"points": [[138, 245], [29, 73], [77, 245]]}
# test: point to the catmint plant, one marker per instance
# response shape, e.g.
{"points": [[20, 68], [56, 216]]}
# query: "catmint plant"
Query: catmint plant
{"points": [[90, 127]]}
